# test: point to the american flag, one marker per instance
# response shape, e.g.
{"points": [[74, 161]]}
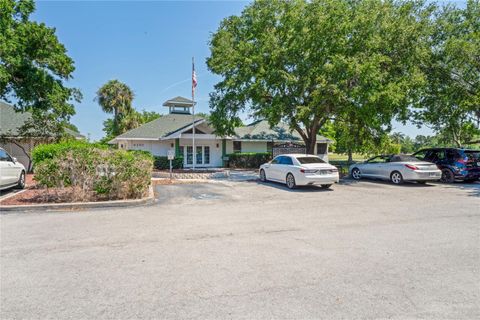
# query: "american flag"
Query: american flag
{"points": [[194, 79]]}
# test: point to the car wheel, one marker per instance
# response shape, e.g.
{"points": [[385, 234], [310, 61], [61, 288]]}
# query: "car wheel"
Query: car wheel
{"points": [[263, 176], [21, 181], [447, 176], [356, 174], [291, 181], [396, 177], [326, 186]]}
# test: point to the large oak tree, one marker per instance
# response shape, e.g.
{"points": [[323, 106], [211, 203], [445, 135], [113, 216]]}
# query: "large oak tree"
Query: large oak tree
{"points": [[307, 62], [34, 66], [451, 104]]}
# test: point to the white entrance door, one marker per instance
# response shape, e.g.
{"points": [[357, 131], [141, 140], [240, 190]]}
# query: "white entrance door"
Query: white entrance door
{"points": [[202, 156]]}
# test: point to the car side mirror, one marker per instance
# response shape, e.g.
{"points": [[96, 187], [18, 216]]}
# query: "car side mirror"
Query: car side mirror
{"points": [[14, 160]]}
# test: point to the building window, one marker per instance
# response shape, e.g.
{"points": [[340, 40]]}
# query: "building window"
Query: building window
{"points": [[198, 156], [206, 155], [189, 155], [237, 146]]}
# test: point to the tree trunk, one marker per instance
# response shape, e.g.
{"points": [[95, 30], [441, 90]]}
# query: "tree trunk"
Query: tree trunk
{"points": [[350, 156], [115, 121]]}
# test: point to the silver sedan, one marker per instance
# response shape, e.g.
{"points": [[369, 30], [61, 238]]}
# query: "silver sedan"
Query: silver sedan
{"points": [[396, 168]]}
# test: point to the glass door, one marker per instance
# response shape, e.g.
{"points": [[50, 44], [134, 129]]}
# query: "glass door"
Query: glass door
{"points": [[189, 155], [202, 155]]}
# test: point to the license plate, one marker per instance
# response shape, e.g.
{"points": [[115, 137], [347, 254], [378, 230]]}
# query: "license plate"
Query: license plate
{"points": [[433, 174], [322, 173]]}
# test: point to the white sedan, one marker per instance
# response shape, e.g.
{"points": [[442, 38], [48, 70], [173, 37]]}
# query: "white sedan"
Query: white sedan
{"points": [[12, 172], [299, 170]]}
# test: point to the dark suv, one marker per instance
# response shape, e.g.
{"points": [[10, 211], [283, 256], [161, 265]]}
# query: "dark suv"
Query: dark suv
{"points": [[455, 163]]}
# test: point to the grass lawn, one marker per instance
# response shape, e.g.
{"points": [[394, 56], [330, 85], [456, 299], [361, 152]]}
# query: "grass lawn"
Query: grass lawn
{"points": [[344, 157]]}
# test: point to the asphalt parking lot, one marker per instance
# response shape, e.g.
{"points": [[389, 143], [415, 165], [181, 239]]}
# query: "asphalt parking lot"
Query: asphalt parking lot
{"points": [[252, 251]]}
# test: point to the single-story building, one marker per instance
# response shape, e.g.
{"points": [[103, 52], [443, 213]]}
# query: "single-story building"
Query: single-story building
{"points": [[10, 139], [174, 131]]}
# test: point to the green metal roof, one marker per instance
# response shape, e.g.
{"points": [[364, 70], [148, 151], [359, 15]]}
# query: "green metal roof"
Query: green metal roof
{"points": [[11, 121], [161, 127], [260, 130], [178, 101]]}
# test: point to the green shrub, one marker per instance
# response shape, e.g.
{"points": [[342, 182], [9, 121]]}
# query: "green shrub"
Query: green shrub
{"points": [[43, 152], [248, 159], [162, 163], [91, 172]]}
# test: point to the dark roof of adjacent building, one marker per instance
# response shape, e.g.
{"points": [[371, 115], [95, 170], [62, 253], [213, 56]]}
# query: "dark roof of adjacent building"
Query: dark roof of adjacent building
{"points": [[161, 127], [11, 121], [260, 130]]}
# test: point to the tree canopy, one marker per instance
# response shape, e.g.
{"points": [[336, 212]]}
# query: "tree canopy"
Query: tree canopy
{"points": [[34, 66], [308, 62], [451, 102], [116, 97]]}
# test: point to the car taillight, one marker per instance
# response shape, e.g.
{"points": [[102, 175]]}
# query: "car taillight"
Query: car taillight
{"points": [[462, 160], [307, 171], [412, 167]]}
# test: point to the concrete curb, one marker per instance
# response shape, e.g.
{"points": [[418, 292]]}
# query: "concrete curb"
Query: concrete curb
{"points": [[81, 205], [191, 176]]}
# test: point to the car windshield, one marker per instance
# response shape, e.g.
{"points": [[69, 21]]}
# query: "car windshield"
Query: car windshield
{"points": [[402, 158], [306, 160]]}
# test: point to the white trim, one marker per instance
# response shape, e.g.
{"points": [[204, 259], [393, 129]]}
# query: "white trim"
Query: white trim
{"points": [[178, 133], [200, 136], [116, 140]]}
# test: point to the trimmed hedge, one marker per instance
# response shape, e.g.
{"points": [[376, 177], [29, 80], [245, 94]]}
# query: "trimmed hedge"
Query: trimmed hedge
{"points": [[162, 163], [248, 160]]}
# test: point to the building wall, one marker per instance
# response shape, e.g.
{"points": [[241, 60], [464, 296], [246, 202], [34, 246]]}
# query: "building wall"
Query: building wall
{"points": [[229, 145], [157, 148], [254, 146]]}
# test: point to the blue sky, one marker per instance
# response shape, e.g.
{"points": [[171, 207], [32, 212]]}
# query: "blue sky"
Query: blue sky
{"points": [[147, 45]]}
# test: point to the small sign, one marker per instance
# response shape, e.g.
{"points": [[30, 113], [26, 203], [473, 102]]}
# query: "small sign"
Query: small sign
{"points": [[171, 154]]}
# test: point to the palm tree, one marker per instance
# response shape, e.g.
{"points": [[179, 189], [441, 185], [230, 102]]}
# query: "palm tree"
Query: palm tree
{"points": [[115, 97]]}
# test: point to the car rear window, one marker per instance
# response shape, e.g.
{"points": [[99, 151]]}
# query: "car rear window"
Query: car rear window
{"points": [[472, 155], [306, 160], [402, 158]]}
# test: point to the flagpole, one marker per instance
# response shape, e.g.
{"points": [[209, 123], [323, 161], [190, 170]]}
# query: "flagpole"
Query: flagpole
{"points": [[193, 116]]}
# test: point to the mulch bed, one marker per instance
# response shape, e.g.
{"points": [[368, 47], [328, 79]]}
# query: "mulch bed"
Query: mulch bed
{"points": [[34, 195]]}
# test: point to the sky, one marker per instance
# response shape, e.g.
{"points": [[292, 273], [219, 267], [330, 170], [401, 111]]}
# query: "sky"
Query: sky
{"points": [[148, 45]]}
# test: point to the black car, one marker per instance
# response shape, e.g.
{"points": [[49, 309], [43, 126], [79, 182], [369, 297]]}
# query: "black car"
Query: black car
{"points": [[455, 163]]}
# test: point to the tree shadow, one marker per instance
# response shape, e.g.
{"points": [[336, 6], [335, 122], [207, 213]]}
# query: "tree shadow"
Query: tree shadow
{"points": [[373, 181], [472, 188]]}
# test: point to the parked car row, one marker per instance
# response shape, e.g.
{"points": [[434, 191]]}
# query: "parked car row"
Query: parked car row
{"points": [[426, 165], [433, 164], [12, 172]]}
